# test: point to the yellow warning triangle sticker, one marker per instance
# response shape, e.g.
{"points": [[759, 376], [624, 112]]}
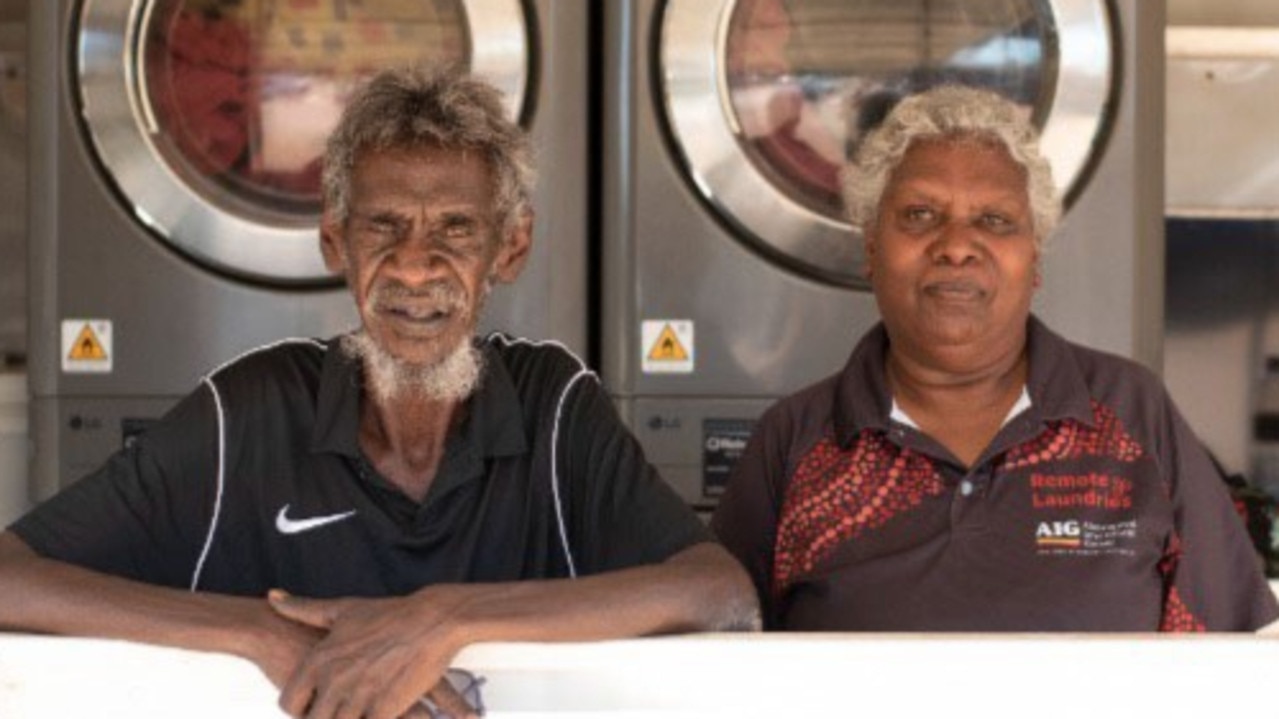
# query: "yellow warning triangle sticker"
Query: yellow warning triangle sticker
{"points": [[87, 346], [668, 348]]}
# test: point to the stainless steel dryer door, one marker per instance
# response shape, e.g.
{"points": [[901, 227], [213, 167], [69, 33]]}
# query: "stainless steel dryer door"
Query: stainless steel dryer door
{"points": [[209, 116], [765, 99]]}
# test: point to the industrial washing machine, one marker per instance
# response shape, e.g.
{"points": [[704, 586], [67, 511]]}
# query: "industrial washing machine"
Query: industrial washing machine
{"points": [[174, 186], [730, 275]]}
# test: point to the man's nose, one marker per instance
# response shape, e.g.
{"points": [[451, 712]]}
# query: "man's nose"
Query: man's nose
{"points": [[418, 257]]}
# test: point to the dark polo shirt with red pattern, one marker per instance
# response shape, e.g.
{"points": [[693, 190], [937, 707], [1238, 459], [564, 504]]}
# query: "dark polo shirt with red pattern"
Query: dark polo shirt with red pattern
{"points": [[1094, 509]]}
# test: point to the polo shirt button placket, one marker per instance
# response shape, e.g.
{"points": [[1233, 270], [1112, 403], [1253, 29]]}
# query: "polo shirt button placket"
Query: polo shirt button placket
{"points": [[968, 512]]}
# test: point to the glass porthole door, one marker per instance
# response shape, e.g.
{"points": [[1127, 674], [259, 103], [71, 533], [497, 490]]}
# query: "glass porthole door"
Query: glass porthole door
{"points": [[209, 116], [765, 99]]}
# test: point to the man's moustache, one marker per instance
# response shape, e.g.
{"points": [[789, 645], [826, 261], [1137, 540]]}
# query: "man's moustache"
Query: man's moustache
{"points": [[448, 296]]}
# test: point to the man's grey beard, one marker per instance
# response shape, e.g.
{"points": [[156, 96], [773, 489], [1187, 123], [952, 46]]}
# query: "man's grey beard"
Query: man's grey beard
{"points": [[452, 378]]}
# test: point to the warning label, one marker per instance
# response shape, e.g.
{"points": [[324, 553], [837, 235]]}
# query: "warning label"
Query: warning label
{"points": [[86, 346], [667, 346]]}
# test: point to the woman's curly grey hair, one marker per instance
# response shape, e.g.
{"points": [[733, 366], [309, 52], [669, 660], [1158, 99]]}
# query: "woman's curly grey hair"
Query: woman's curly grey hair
{"points": [[407, 107], [950, 112]]}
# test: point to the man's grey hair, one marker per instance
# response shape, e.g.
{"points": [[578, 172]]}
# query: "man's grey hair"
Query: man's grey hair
{"points": [[446, 107], [950, 112]]}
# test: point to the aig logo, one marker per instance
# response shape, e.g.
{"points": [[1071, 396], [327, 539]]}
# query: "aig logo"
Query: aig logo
{"points": [[1066, 533], [1058, 530]]}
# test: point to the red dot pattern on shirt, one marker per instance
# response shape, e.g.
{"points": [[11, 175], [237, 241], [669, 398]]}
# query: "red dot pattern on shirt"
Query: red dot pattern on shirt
{"points": [[1071, 440], [1178, 617], [835, 495]]}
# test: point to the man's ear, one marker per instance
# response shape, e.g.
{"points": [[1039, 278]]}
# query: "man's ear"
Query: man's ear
{"points": [[513, 253], [332, 243], [869, 248]]}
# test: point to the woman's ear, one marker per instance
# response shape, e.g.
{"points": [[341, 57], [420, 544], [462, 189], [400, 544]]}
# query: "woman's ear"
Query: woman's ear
{"points": [[869, 247]]}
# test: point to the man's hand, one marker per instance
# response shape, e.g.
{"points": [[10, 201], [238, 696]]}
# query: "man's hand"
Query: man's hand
{"points": [[379, 658], [280, 649]]}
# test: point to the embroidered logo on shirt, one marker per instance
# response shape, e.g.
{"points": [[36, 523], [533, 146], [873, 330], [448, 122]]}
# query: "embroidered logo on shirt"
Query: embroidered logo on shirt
{"points": [[1095, 490], [288, 525], [1058, 534], [1084, 538]]}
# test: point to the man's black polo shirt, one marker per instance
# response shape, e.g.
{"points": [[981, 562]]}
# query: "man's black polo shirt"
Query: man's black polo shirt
{"points": [[1093, 509], [256, 480]]}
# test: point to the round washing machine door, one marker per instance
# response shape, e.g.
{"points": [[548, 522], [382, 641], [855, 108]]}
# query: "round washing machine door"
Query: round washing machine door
{"points": [[210, 116], [765, 99]]}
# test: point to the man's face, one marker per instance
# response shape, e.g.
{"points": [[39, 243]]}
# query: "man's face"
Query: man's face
{"points": [[953, 259], [420, 246]]}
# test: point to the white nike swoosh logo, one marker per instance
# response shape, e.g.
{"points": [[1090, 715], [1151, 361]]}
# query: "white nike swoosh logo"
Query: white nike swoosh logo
{"points": [[297, 526]]}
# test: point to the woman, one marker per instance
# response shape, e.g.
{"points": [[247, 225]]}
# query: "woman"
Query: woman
{"points": [[969, 469]]}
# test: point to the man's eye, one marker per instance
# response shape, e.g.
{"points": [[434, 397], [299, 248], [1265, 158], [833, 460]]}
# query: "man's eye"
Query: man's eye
{"points": [[460, 229], [382, 226]]}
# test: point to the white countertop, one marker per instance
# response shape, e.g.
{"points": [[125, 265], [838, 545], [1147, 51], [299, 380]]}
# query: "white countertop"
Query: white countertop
{"points": [[707, 675]]}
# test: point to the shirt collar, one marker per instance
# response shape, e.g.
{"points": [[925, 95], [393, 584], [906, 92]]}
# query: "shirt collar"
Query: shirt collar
{"points": [[1023, 403], [1054, 379], [494, 424], [1055, 384], [862, 398]]}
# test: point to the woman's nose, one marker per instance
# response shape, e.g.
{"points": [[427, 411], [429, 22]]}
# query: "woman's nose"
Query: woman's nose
{"points": [[957, 244]]}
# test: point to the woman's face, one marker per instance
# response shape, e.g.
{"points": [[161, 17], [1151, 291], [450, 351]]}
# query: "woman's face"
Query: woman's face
{"points": [[953, 258]]}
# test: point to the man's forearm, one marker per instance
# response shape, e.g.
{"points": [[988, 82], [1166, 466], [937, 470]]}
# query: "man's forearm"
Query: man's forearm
{"points": [[42, 595], [700, 589]]}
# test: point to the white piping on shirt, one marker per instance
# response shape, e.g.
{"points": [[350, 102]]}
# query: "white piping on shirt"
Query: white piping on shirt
{"points": [[221, 484], [220, 475], [583, 371], [509, 341], [555, 472], [288, 341]]}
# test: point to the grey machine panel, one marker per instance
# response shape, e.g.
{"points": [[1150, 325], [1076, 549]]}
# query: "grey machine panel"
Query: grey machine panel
{"points": [[190, 277], [699, 231]]}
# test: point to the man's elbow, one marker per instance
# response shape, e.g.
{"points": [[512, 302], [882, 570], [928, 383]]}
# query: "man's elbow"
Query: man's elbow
{"points": [[725, 592]]}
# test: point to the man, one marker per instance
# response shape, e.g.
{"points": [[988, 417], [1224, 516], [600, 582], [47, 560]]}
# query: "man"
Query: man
{"points": [[970, 470], [400, 492]]}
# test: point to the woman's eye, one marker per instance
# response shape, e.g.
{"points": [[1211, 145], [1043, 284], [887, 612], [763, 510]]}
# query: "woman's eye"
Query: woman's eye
{"points": [[996, 222], [915, 216]]}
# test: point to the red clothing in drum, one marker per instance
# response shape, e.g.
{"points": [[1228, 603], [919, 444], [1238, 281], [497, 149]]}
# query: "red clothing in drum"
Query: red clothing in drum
{"points": [[1093, 509]]}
